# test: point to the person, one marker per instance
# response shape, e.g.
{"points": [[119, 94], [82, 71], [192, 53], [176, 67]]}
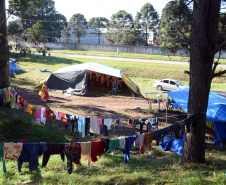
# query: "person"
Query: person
{"points": [[44, 93]]}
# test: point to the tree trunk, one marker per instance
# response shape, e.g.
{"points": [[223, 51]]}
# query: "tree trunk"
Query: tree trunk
{"points": [[4, 52], [203, 43]]}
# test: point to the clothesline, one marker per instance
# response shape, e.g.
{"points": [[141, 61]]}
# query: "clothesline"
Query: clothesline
{"points": [[95, 148], [43, 114], [75, 151]]}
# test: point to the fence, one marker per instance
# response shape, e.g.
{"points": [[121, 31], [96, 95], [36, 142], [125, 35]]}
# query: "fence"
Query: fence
{"points": [[109, 48]]}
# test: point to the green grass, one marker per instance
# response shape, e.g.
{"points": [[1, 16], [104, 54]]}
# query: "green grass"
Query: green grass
{"points": [[128, 55], [157, 167]]}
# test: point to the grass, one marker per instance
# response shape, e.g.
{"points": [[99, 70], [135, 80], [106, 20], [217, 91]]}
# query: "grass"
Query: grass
{"points": [[157, 167], [129, 55]]}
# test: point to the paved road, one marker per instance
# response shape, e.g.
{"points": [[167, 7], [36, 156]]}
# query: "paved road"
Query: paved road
{"points": [[127, 59]]}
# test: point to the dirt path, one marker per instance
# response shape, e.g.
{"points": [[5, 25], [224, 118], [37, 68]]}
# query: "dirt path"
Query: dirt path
{"points": [[101, 107]]}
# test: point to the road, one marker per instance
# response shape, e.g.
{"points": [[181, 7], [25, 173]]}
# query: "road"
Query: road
{"points": [[128, 59]]}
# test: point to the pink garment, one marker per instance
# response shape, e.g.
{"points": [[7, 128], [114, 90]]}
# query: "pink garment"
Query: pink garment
{"points": [[38, 115]]}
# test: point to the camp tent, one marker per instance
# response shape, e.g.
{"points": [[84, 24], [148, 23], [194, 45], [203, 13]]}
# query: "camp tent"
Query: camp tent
{"points": [[78, 77], [216, 110], [14, 66]]}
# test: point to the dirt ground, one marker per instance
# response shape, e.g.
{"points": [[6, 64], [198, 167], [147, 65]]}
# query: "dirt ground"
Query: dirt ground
{"points": [[103, 106]]}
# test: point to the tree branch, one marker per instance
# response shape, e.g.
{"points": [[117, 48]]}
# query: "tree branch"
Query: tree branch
{"points": [[187, 72], [219, 47], [219, 73]]}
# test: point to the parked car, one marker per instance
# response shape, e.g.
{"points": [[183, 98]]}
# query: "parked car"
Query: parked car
{"points": [[169, 85]]}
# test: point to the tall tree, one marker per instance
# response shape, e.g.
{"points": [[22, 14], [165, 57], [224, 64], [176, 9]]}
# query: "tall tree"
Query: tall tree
{"points": [[147, 19], [66, 33], [96, 23], [121, 26], [15, 8], [175, 26], [204, 33], [78, 24], [52, 21], [4, 50]]}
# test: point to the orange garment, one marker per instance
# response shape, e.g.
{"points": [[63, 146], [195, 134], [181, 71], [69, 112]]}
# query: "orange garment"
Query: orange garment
{"points": [[147, 142], [30, 109], [44, 93], [47, 114]]}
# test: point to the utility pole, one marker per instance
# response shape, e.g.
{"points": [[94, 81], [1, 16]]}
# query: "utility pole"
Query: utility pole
{"points": [[118, 40]]}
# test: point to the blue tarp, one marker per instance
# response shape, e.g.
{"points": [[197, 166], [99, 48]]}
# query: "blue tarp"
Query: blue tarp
{"points": [[216, 106], [13, 67], [176, 145], [216, 110]]}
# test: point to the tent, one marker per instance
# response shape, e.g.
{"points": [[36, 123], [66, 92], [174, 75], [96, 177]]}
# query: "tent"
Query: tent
{"points": [[216, 110], [77, 78], [14, 66]]}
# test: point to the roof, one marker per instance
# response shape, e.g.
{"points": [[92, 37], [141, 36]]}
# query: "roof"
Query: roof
{"points": [[216, 106], [92, 66]]}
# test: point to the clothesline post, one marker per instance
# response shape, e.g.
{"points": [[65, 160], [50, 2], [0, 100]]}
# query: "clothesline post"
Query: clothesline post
{"points": [[167, 107]]}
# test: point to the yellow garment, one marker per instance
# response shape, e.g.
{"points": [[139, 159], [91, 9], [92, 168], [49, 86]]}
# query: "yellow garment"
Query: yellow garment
{"points": [[86, 150], [29, 109], [209, 124]]}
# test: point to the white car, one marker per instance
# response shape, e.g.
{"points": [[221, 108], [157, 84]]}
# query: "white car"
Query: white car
{"points": [[169, 85]]}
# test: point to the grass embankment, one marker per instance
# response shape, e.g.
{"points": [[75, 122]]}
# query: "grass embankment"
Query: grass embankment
{"points": [[156, 168], [129, 55]]}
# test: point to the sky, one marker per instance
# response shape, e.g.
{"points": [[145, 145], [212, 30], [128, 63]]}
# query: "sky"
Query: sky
{"points": [[104, 8]]}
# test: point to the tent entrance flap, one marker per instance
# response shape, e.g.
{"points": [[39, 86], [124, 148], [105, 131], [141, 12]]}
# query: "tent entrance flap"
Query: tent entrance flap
{"points": [[76, 80], [130, 83]]}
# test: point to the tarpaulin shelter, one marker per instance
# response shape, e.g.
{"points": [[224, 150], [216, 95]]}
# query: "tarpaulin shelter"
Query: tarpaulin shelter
{"points": [[216, 110], [78, 77], [14, 66]]}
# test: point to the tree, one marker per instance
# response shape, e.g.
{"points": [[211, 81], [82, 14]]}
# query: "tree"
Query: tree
{"points": [[34, 34], [147, 19], [66, 33], [14, 28], [204, 33], [96, 23], [52, 21], [121, 26], [15, 7], [4, 50], [78, 24], [175, 26]]}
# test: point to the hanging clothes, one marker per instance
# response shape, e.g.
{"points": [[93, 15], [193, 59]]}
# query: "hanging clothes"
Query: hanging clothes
{"points": [[74, 122], [128, 145], [73, 154], [30, 153], [114, 144], [1, 157], [147, 141], [81, 125], [64, 119], [38, 115], [108, 123], [97, 149], [106, 144], [52, 150], [85, 150], [12, 150], [122, 143], [150, 123], [43, 118], [94, 126], [47, 113], [87, 126], [176, 130], [58, 115], [140, 140]]}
